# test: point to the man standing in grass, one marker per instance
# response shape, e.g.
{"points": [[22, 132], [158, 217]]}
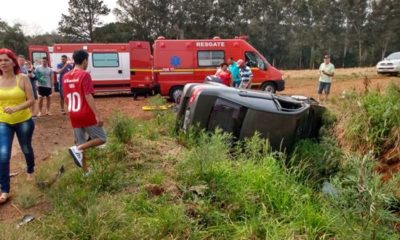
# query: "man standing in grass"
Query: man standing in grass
{"points": [[326, 72], [85, 119]]}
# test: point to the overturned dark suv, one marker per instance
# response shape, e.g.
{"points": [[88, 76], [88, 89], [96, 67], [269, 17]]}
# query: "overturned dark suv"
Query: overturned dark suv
{"points": [[281, 119]]}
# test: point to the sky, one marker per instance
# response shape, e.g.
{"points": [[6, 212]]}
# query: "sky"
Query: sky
{"points": [[41, 16]]}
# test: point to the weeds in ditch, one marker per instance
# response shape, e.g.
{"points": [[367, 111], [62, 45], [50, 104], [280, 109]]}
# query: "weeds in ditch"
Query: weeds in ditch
{"points": [[372, 119], [239, 196], [364, 200]]}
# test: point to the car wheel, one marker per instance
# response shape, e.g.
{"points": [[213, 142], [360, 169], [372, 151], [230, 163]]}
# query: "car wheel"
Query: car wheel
{"points": [[176, 94], [269, 87]]}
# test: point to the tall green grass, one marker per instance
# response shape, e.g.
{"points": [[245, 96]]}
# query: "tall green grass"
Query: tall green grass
{"points": [[145, 185], [365, 200], [243, 193], [372, 121]]}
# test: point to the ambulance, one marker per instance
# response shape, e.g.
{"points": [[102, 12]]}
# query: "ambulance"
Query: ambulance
{"points": [[178, 62], [132, 66], [115, 67]]}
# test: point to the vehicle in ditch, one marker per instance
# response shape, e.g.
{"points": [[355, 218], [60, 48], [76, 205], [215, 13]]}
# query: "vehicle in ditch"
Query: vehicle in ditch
{"points": [[281, 119]]}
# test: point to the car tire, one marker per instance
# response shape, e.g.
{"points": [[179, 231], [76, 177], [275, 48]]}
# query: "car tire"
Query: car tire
{"points": [[269, 87], [175, 94]]}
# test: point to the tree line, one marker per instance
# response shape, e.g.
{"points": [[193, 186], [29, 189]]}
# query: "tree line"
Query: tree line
{"points": [[291, 34]]}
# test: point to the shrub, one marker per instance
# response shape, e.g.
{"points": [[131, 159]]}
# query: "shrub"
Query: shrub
{"points": [[122, 127]]}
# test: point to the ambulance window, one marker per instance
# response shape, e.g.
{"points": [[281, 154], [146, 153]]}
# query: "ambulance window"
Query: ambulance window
{"points": [[210, 58], [105, 60], [37, 58], [254, 60]]}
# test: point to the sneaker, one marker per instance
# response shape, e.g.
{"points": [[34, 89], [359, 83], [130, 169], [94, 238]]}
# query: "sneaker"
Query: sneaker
{"points": [[77, 155]]}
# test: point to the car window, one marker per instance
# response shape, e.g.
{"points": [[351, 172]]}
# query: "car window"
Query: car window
{"points": [[254, 60], [227, 116], [394, 56]]}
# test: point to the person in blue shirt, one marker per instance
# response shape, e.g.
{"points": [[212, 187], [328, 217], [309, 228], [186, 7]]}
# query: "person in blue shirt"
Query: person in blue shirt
{"points": [[234, 69], [62, 69]]}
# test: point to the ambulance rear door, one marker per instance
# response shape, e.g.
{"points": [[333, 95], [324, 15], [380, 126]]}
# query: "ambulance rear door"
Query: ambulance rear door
{"points": [[37, 52], [110, 69]]}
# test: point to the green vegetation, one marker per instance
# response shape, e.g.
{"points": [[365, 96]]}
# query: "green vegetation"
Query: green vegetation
{"points": [[372, 122], [148, 183]]}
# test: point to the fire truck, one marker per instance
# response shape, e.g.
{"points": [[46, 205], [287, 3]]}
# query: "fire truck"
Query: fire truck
{"points": [[174, 63], [115, 67]]}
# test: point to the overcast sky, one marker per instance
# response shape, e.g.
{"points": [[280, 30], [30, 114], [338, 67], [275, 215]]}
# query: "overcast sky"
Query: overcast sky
{"points": [[40, 16]]}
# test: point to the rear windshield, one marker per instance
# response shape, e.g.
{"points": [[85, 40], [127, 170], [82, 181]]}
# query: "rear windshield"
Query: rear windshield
{"points": [[394, 56]]}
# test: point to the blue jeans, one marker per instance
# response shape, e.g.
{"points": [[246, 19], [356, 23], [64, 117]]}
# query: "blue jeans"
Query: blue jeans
{"points": [[24, 133]]}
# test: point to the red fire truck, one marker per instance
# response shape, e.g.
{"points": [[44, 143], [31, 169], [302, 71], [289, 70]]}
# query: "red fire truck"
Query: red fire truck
{"points": [[177, 62], [131, 67], [113, 67]]}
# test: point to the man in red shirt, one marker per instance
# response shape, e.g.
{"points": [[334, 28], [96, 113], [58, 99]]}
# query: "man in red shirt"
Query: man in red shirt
{"points": [[85, 119]]}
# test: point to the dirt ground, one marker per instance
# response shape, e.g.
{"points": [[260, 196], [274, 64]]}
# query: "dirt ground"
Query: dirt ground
{"points": [[54, 133]]}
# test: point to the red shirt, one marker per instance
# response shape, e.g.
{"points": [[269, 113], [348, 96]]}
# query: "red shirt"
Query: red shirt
{"points": [[76, 84], [225, 77]]}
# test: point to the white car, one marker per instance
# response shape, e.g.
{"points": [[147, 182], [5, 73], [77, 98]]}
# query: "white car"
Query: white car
{"points": [[390, 65]]}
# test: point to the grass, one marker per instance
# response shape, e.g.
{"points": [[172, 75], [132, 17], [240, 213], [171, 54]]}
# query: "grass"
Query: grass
{"points": [[372, 122], [152, 183]]}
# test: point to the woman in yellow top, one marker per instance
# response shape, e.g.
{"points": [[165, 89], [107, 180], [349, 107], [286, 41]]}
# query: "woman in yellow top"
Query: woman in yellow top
{"points": [[16, 97]]}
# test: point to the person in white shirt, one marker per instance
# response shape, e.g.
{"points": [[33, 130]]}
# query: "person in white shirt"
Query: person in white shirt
{"points": [[326, 72]]}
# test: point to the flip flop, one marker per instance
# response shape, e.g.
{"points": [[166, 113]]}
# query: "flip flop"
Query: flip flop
{"points": [[4, 197]]}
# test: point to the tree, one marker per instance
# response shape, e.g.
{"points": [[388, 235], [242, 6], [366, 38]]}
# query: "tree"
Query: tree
{"points": [[13, 38], [114, 33], [385, 24], [147, 18], [82, 20], [356, 13]]}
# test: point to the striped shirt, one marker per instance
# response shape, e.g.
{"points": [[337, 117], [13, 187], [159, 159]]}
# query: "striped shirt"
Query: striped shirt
{"points": [[245, 74]]}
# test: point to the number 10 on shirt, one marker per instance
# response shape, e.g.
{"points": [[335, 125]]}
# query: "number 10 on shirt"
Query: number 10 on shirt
{"points": [[74, 102]]}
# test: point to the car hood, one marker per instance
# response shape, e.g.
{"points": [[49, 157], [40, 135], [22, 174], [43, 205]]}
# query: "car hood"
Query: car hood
{"points": [[394, 62]]}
